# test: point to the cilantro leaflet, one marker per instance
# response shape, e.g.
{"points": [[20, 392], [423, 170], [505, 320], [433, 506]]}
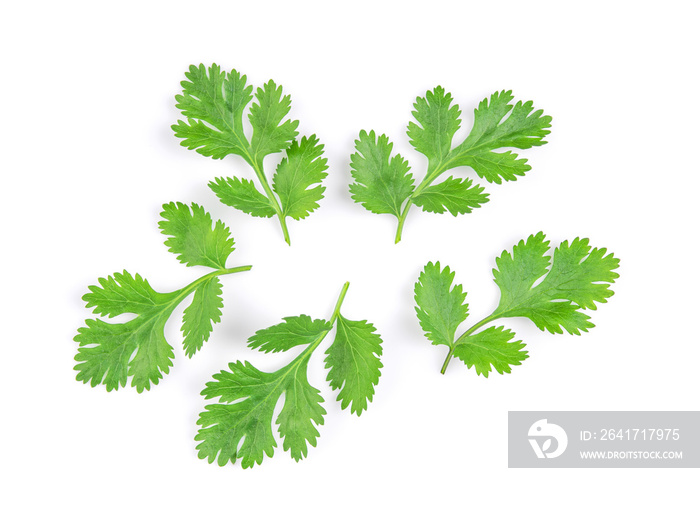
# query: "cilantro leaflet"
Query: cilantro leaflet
{"points": [[240, 425], [384, 184], [213, 102], [111, 352], [553, 296]]}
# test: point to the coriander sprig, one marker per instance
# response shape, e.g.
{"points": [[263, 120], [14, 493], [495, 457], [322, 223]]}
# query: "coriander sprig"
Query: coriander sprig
{"points": [[214, 103], [109, 353], [579, 277], [240, 425], [384, 184]]}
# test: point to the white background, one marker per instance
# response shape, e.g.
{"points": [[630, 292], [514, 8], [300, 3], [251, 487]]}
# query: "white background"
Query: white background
{"points": [[88, 158]]}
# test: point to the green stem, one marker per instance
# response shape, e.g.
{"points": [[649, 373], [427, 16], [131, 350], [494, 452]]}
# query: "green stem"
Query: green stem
{"points": [[271, 197], [469, 331], [233, 270], [336, 312], [430, 176], [294, 365], [339, 303], [221, 272], [402, 220]]}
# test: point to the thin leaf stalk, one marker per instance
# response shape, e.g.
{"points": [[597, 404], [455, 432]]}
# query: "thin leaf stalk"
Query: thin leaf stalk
{"points": [[184, 292], [430, 176], [313, 345], [271, 197], [468, 332]]}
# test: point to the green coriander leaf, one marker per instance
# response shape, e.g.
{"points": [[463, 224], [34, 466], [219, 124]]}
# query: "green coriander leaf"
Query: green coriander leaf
{"points": [[293, 331], [492, 347], [554, 298], [353, 360], [555, 316], [581, 274], [383, 188], [208, 142], [516, 274], [241, 426], [382, 183], [301, 169], [121, 294], [497, 167], [199, 315], [579, 277], [214, 103], [109, 353], [302, 409], [457, 196], [270, 134], [193, 236], [499, 124], [441, 308], [524, 128], [437, 120], [106, 350], [242, 195]]}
